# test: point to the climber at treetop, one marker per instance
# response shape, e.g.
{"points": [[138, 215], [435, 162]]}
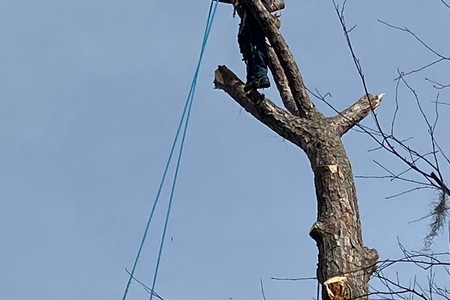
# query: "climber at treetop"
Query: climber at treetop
{"points": [[252, 43]]}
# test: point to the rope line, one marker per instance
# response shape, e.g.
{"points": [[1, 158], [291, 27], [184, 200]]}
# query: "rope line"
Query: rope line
{"points": [[182, 126], [190, 100]]}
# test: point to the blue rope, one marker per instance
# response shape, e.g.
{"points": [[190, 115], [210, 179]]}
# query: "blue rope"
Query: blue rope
{"points": [[183, 124], [190, 100]]}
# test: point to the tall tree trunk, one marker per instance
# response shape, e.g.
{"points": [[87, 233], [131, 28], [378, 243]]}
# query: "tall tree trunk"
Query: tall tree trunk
{"points": [[344, 264]]}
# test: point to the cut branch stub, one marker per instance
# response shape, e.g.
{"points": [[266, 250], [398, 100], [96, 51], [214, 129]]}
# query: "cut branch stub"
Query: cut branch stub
{"points": [[351, 116]]}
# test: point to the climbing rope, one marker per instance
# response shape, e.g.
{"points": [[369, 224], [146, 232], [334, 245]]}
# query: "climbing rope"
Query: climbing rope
{"points": [[182, 127]]}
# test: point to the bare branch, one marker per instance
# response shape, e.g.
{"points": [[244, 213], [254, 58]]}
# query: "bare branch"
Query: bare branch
{"points": [[294, 279], [290, 127], [438, 85], [405, 29], [282, 83], [423, 286], [420, 68], [407, 192], [346, 31], [445, 3], [262, 289], [355, 113], [422, 164]]}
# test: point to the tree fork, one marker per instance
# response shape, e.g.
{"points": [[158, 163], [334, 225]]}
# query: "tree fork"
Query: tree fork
{"points": [[345, 264]]}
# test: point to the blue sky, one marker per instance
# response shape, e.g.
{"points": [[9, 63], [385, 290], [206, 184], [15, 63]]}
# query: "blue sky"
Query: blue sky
{"points": [[91, 93]]}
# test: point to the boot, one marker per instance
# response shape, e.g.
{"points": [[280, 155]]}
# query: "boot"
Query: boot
{"points": [[257, 83]]}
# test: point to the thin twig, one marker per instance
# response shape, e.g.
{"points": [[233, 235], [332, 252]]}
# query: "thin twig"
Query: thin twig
{"points": [[294, 279], [262, 289]]}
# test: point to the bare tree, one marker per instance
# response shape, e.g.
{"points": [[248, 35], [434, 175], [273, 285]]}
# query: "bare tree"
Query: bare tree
{"points": [[421, 169], [345, 264]]}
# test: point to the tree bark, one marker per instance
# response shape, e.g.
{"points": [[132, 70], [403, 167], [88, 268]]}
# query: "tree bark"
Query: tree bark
{"points": [[345, 264]]}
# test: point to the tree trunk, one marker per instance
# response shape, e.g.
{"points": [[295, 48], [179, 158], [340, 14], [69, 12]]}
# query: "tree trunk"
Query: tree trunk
{"points": [[337, 231], [344, 264]]}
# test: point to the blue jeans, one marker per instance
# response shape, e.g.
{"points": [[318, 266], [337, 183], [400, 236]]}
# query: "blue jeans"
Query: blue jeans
{"points": [[252, 43]]}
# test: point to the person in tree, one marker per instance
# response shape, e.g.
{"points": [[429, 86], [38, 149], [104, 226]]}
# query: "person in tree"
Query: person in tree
{"points": [[252, 43]]}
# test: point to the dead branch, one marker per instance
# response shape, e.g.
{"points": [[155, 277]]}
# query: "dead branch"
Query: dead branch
{"points": [[282, 83], [423, 164], [423, 284]]}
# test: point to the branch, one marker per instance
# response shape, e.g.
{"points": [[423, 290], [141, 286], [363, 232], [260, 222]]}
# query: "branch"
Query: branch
{"points": [[287, 61], [294, 279], [440, 183], [290, 127], [435, 264], [282, 83], [445, 3], [416, 161], [437, 85], [406, 29], [345, 120], [262, 289]]}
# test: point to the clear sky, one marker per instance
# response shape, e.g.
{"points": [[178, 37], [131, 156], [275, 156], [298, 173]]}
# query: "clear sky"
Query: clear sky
{"points": [[91, 93]]}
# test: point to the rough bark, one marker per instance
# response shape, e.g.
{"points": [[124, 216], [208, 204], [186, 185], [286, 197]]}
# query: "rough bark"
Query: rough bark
{"points": [[282, 83], [345, 264], [337, 231], [346, 119]]}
